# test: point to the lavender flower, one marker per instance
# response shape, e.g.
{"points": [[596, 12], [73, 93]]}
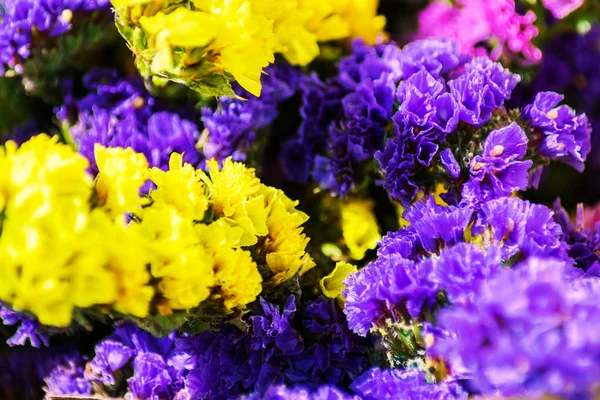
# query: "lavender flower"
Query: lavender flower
{"points": [[521, 226], [408, 384], [532, 331]]}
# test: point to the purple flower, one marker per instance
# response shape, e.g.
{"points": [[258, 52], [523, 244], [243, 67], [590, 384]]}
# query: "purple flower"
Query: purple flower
{"points": [[520, 226], [498, 171], [566, 135], [151, 379], [583, 242], [110, 357], [23, 23], [409, 384], [448, 160], [233, 125], [532, 331], [119, 112], [29, 328], [436, 56], [67, 378], [483, 86], [309, 348], [459, 270], [424, 103], [281, 392], [431, 228], [376, 291]]}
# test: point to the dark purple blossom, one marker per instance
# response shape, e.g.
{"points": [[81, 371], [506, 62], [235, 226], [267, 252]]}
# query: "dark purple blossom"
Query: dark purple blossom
{"points": [[119, 112], [566, 135], [532, 331], [409, 384], [233, 125], [583, 242], [28, 329], [281, 392], [309, 348]]}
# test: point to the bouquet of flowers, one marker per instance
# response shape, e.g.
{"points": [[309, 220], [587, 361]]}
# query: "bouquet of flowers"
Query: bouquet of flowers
{"points": [[298, 199]]}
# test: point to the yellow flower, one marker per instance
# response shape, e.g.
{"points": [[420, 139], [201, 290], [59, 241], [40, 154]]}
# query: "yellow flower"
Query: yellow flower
{"points": [[363, 21], [233, 35], [333, 284], [178, 258], [234, 195], [179, 187], [121, 173], [359, 227], [237, 276], [219, 234], [285, 245]]}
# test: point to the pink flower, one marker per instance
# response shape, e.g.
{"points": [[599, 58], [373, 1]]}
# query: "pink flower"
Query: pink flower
{"points": [[562, 8], [490, 27]]}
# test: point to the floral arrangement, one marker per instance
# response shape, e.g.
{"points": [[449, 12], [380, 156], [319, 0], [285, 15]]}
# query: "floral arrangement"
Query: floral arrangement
{"points": [[257, 199]]}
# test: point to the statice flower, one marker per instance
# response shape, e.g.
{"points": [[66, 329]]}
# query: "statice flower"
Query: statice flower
{"points": [[484, 86], [583, 239], [25, 24], [532, 331], [28, 328], [493, 27], [381, 290], [408, 384], [565, 136], [233, 126], [432, 227], [152, 359], [499, 171], [344, 118], [66, 378], [309, 348], [430, 108], [119, 112], [281, 392]]}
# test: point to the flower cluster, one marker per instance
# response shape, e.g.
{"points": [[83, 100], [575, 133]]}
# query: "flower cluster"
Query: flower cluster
{"points": [[119, 112], [483, 27], [207, 44], [308, 348], [27, 24], [66, 246], [151, 246], [232, 127]]}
